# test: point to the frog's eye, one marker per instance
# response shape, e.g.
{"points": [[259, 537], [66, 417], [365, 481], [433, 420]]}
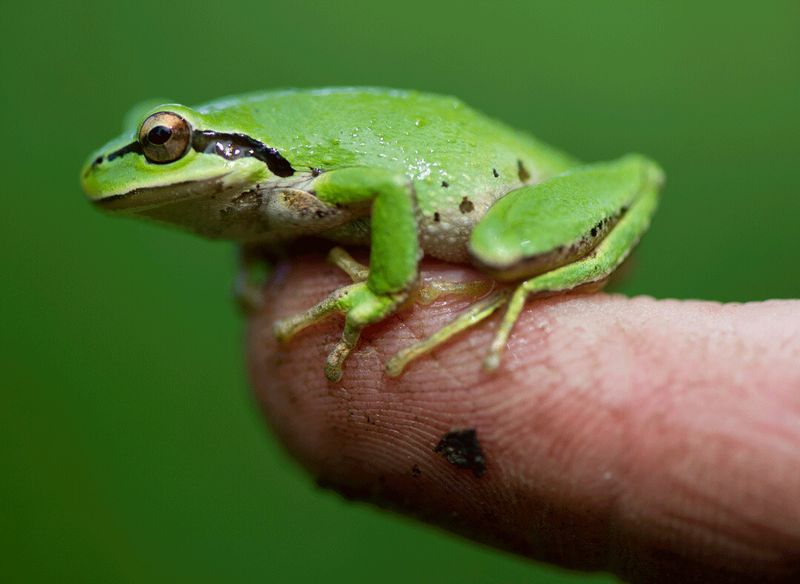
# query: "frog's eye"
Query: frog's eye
{"points": [[165, 137]]}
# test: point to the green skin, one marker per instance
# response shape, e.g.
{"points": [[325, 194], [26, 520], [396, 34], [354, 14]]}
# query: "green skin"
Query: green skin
{"points": [[404, 172]]}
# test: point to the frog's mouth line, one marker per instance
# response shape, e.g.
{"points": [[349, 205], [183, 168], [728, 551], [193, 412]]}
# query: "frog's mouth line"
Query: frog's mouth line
{"points": [[144, 198]]}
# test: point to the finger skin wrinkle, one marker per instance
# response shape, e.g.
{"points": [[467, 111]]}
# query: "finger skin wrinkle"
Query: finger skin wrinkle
{"points": [[637, 435]]}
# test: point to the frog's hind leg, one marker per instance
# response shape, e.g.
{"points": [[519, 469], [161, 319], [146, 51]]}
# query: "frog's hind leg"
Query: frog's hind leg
{"points": [[425, 294], [598, 265], [470, 317], [357, 271]]}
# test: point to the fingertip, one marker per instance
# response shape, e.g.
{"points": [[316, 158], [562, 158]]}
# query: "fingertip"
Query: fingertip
{"points": [[577, 427]]}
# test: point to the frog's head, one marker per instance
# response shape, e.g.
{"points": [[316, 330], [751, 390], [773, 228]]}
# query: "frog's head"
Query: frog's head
{"points": [[173, 165]]}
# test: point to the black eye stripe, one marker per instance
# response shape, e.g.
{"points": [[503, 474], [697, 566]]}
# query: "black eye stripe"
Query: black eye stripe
{"points": [[233, 145], [227, 145], [132, 147]]}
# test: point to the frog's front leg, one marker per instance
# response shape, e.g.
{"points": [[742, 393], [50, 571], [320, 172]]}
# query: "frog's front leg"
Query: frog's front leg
{"points": [[394, 256]]}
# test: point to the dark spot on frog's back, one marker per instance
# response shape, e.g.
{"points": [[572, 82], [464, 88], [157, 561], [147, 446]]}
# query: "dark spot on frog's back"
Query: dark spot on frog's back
{"points": [[436, 217], [466, 205], [462, 449], [495, 173], [522, 172], [445, 184]]}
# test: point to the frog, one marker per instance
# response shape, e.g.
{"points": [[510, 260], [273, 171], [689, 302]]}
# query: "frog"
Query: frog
{"points": [[404, 173]]}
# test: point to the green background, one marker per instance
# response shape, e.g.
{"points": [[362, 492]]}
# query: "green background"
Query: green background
{"points": [[131, 449]]}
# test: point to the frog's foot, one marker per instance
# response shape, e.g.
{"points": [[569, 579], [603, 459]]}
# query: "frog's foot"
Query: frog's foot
{"points": [[250, 279], [470, 317], [361, 307], [515, 305]]}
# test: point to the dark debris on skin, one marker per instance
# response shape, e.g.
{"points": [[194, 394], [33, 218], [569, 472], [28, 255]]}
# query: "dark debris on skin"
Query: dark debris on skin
{"points": [[462, 449]]}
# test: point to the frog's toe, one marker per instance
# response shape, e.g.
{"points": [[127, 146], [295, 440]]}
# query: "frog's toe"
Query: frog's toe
{"points": [[492, 361], [248, 298], [361, 307], [247, 289], [336, 358], [337, 301], [335, 362], [285, 329], [357, 271], [469, 318]]}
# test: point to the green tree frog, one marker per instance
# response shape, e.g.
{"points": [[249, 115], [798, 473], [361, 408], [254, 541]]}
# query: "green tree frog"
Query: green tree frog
{"points": [[404, 172]]}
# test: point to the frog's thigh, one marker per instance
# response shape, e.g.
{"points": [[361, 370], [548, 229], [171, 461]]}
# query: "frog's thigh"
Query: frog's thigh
{"points": [[537, 228], [601, 262]]}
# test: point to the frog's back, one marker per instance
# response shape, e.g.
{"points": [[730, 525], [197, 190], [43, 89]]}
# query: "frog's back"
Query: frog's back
{"points": [[459, 160], [422, 133]]}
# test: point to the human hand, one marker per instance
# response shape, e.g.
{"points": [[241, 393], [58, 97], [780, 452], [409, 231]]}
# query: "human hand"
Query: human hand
{"points": [[658, 440]]}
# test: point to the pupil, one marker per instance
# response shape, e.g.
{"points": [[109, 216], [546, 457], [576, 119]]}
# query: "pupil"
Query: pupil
{"points": [[159, 135]]}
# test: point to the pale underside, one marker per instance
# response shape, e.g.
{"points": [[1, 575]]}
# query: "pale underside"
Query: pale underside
{"points": [[281, 210]]}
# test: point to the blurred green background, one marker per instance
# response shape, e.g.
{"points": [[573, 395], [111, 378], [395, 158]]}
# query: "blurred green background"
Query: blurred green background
{"points": [[131, 449]]}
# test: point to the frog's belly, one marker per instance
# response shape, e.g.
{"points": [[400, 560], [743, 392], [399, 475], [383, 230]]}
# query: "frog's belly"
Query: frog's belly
{"points": [[445, 234], [446, 219], [444, 238]]}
